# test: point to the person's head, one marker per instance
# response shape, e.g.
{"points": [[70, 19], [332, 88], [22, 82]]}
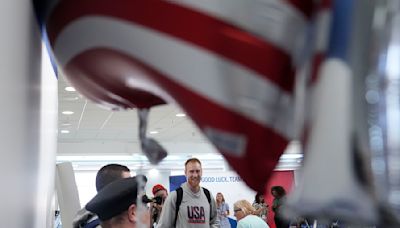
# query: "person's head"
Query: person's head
{"points": [[193, 172], [110, 173], [278, 191], [115, 204], [160, 191], [219, 198], [259, 198], [242, 208]]}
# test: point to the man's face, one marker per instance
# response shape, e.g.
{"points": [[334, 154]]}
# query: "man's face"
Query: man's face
{"points": [[162, 193], [238, 213], [193, 174]]}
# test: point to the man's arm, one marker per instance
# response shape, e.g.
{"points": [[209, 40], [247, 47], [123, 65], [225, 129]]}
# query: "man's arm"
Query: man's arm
{"points": [[168, 212], [214, 221]]}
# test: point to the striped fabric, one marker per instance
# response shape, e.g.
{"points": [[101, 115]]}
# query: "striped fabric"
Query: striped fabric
{"points": [[228, 64]]}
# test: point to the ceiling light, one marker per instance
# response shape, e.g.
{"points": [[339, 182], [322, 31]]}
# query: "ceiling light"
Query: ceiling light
{"points": [[70, 89], [66, 124], [67, 112], [64, 131], [291, 156], [153, 132], [180, 115], [75, 98], [153, 172]]}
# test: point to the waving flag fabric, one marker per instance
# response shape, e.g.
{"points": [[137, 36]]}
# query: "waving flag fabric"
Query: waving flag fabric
{"points": [[333, 161], [229, 64]]}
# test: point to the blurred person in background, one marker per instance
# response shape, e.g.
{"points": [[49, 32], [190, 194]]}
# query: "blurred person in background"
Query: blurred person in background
{"points": [[279, 194], [260, 206], [244, 213], [222, 211], [160, 194]]}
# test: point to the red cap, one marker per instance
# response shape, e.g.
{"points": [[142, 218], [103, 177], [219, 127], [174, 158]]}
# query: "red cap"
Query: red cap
{"points": [[158, 187]]}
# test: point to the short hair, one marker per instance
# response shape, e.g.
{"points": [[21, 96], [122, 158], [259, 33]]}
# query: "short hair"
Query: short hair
{"points": [[108, 174], [116, 220], [280, 191], [245, 206], [192, 160]]}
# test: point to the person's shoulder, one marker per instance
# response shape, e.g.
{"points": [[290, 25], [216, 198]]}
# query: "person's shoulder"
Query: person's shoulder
{"points": [[171, 197], [205, 189], [253, 219], [83, 217], [173, 193]]}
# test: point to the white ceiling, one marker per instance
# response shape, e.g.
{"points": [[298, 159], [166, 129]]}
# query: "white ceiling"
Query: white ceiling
{"points": [[91, 123], [98, 136]]}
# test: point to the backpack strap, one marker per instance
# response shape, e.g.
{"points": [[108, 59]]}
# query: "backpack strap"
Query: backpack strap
{"points": [[179, 196], [208, 195]]}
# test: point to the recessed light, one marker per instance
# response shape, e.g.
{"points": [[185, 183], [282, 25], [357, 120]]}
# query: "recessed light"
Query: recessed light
{"points": [[67, 112], [180, 115], [154, 172], [70, 89], [66, 124], [64, 131], [74, 98], [153, 132]]}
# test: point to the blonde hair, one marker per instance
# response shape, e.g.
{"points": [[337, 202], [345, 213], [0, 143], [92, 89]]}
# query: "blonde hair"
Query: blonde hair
{"points": [[223, 198], [245, 206]]}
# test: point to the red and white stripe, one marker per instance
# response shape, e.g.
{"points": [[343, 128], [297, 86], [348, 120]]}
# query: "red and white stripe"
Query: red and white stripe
{"points": [[233, 76]]}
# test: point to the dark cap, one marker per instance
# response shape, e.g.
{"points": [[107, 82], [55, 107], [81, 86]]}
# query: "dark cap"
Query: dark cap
{"points": [[114, 198]]}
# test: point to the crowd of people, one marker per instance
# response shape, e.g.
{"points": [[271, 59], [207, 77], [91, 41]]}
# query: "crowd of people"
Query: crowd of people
{"points": [[121, 202]]}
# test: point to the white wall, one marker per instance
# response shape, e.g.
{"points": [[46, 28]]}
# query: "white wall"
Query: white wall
{"points": [[230, 185], [227, 182], [86, 183]]}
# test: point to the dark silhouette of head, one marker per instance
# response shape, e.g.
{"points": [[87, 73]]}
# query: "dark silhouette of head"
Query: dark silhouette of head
{"points": [[278, 191], [259, 198], [110, 173]]}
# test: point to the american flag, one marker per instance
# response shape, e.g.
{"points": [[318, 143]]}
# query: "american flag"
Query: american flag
{"points": [[229, 64]]}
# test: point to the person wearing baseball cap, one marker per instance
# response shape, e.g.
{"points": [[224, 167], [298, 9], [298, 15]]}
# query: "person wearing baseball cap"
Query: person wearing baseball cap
{"points": [[159, 190], [107, 174], [116, 204], [160, 194]]}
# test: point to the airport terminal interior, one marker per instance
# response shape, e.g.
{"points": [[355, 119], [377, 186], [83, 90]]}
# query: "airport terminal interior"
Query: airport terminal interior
{"points": [[285, 112], [90, 137]]}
